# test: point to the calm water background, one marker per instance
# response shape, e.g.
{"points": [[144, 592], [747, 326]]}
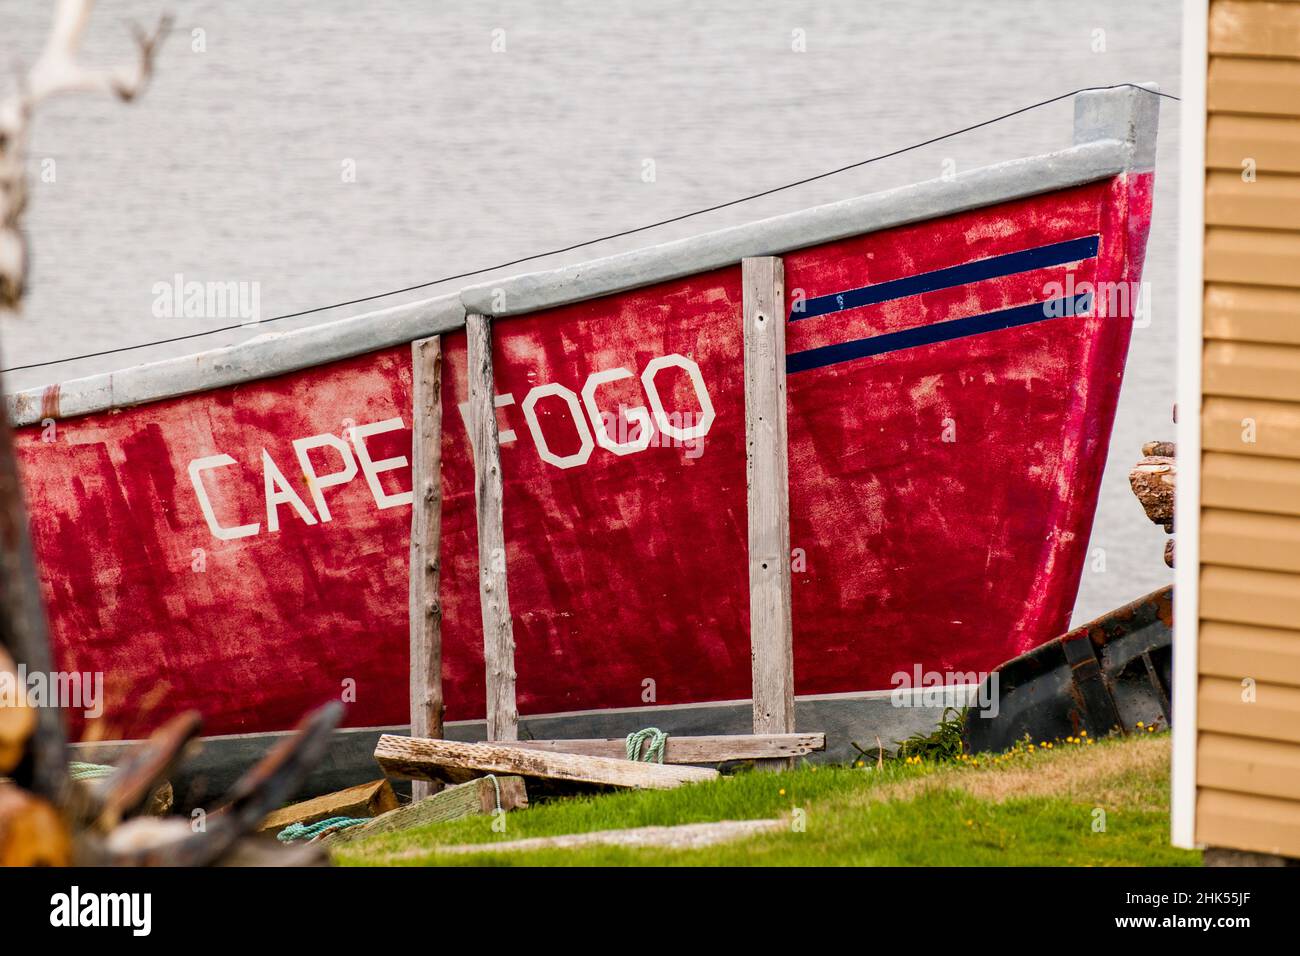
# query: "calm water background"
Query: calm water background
{"points": [[230, 168]]}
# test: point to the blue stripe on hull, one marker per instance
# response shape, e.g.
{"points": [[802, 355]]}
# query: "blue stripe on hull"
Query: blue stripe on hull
{"points": [[1055, 254], [938, 332]]}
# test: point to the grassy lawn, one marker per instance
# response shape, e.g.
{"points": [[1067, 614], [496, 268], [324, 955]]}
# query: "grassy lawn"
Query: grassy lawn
{"points": [[1039, 806]]}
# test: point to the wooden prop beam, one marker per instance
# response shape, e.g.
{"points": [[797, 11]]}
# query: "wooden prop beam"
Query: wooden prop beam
{"points": [[477, 797], [139, 784], [426, 542], [767, 471], [498, 628], [694, 750], [416, 759], [364, 800]]}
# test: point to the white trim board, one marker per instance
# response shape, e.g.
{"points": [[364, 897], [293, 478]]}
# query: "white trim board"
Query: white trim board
{"points": [[990, 185], [1187, 492]]}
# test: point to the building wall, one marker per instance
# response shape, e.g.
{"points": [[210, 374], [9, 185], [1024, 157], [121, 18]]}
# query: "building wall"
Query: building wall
{"points": [[1248, 655]]}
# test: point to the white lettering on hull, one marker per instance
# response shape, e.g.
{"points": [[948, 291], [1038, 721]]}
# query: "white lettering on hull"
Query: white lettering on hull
{"points": [[637, 428]]}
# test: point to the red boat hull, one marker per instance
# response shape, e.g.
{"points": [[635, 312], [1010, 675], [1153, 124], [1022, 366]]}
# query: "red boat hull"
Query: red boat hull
{"points": [[943, 480]]}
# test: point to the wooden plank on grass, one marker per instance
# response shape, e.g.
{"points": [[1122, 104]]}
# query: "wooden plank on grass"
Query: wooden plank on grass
{"points": [[767, 469], [494, 597], [685, 836], [426, 542], [365, 800], [694, 750], [479, 796], [423, 759]]}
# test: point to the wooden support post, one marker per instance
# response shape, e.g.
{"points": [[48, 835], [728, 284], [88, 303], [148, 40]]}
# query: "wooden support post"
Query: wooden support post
{"points": [[498, 628], [767, 471], [426, 544]]}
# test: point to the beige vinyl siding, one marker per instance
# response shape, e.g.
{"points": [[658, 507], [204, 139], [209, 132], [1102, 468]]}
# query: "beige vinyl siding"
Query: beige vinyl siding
{"points": [[1253, 28], [1247, 822], [1233, 650], [1267, 768], [1237, 482], [1248, 701], [1272, 141], [1243, 313], [1247, 596], [1227, 423], [1252, 87], [1252, 256]]}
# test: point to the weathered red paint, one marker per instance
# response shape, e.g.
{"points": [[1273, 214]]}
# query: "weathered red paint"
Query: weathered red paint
{"points": [[952, 554]]}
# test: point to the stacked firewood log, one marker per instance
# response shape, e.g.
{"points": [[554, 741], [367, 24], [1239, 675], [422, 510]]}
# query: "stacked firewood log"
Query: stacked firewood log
{"points": [[1152, 480]]}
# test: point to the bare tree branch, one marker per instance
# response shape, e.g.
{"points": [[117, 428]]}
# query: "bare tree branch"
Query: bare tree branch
{"points": [[41, 764], [56, 71]]}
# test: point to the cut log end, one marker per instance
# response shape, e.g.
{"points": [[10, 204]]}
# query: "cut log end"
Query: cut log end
{"points": [[1153, 480], [17, 719], [32, 832], [364, 800], [16, 726]]}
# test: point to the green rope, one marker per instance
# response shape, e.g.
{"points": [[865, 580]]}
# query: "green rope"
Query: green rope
{"points": [[78, 770], [306, 831], [496, 785], [654, 752]]}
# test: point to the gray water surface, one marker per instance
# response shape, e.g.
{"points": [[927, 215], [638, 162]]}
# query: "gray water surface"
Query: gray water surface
{"points": [[231, 168]]}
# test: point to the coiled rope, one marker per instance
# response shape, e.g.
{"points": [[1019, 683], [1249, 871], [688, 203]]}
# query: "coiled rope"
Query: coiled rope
{"points": [[79, 770], [654, 753], [496, 785], [307, 831]]}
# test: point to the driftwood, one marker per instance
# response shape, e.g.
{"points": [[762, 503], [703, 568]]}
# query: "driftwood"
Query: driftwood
{"points": [[479, 796], [55, 72], [694, 750], [364, 800], [422, 759]]}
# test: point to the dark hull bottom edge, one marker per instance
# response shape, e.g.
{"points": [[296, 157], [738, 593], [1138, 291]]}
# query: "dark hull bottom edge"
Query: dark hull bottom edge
{"points": [[845, 719]]}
